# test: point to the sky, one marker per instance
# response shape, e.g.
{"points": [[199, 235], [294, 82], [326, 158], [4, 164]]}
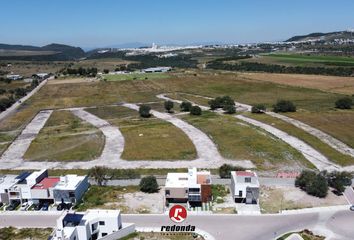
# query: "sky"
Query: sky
{"points": [[100, 23]]}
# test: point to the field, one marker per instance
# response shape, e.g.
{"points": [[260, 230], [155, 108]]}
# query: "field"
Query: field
{"points": [[343, 85], [303, 60], [134, 76], [151, 138], [236, 140], [326, 150], [66, 138], [162, 140], [24, 233]]}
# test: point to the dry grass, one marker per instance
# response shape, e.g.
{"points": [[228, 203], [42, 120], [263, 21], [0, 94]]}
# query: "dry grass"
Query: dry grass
{"points": [[66, 138], [237, 140], [339, 124], [343, 85], [274, 199], [323, 148], [151, 138]]}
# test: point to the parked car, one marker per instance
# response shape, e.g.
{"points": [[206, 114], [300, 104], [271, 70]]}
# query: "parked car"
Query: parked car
{"points": [[45, 207], [351, 208], [13, 206], [64, 206], [37, 206], [24, 206]]}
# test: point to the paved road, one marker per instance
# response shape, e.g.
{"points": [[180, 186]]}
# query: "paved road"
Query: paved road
{"points": [[336, 224], [349, 195]]}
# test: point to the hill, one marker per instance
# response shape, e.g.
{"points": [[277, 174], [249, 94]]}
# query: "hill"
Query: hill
{"points": [[51, 52], [323, 36]]}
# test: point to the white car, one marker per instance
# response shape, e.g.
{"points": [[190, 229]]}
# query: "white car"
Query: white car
{"points": [[24, 206]]}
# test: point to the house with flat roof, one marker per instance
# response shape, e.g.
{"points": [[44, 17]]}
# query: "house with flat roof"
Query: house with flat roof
{"points": [[70, 188], [245, 187], [193, 187], [92, 224], [43, 190], [21, 191], [6, 182]]}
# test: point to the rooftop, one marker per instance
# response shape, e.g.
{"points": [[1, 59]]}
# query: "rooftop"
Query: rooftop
{"points": [[177, 180], [7, 181], [69, 182], [46, 183], [245, 174]]}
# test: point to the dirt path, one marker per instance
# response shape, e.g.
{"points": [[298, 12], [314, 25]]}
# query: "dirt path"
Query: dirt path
{"points": [[114, 140], [315, 157], [205, 147], [13, 156], [324, 137], [208, 155]]}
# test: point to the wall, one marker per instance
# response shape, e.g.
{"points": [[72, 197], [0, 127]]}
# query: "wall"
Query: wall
{"points": [[127, 229]]}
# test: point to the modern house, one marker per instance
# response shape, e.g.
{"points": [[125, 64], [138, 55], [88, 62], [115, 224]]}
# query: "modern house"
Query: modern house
{"points": [[245, 187], [21, 191], [70, 188], [37, 187], [6, 182], [92, 225], [14, 77], [157, 69], [43, 191], [193, 187]]}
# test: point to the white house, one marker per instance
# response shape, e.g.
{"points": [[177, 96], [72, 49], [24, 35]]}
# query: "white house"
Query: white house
{"points": [[14, 77], [43, 190], [245, 187], [70, 188], [93, 224], [193, 187], [6, 182], [21, 191]]}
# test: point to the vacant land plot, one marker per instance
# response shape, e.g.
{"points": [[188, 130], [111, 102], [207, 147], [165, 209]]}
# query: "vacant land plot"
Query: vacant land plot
{"points": [[25, 233], [339, 124], [134, 76], [147, 139], [27, 68], [101, 64], [323, 148], [343, 85], [66, 138], [237, 140], [127, 199], [275, 199]]}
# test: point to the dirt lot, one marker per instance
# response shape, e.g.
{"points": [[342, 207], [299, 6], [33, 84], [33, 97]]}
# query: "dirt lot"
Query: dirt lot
{"points": [[273, 199], [344, 85]]}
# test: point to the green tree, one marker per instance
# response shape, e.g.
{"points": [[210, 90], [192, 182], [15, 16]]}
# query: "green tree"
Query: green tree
{"points": [[339, 180], [196, 110], [313, 183], [225, 170], [258, 108], [168, 105], [99, 174], [144, 111], [284, 106], [106, 71], [148, 184], [229, 109], [185, 106], [344, 103]]}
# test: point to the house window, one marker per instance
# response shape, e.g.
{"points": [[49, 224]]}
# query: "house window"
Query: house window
{"points": [[102, 223], [71, 194], [248, 179], [240, 193], [104, 234], [167, 192]]}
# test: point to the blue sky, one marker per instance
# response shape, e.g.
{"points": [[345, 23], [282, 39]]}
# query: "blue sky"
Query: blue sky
{"points": [[93, 23]]}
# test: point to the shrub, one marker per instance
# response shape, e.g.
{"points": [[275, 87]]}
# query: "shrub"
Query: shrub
{"points": [[312, 183], [195, 110], [220, 102], [106, 71], [144, 111], [229, 109], [344, 103], [284, 106], [168, 105], [186, 106], [339, 180], [149, 184], [258, 108], [225, 170]]}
